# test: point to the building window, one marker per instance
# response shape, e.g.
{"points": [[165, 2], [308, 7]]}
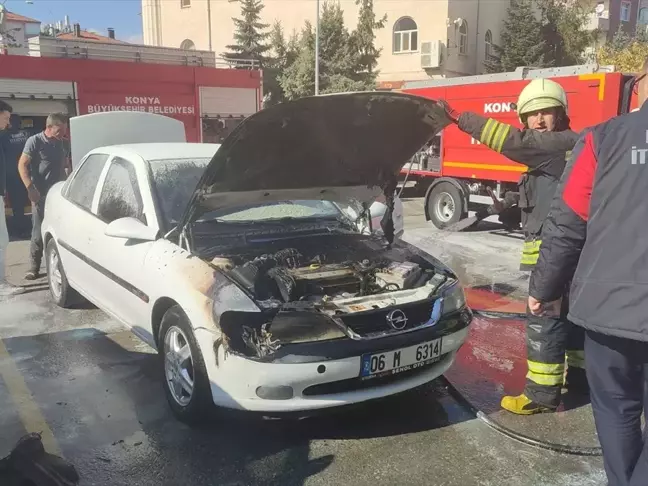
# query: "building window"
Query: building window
{"points": [[488, 45], [625, 11], [463, 37], [185, 3], [642, 15], [405, 35], [188, 45]]}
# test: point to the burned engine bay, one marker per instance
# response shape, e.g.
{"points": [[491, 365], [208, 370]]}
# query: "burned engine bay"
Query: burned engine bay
{"points": [[305, 296]]}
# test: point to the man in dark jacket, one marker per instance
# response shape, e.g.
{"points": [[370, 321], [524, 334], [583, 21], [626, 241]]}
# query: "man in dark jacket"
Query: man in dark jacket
{"points": [[542, 146], [13, 144], [596, 233]]}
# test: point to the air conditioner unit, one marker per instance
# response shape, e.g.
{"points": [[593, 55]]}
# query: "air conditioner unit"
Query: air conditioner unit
{"points": [[430, 54]]}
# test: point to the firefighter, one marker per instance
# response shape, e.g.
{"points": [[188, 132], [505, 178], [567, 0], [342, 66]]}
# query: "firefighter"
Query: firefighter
{"points": [[543, 146]]}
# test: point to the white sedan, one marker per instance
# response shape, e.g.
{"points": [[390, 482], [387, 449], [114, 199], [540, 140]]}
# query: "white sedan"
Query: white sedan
{"points": [[255, 267]]}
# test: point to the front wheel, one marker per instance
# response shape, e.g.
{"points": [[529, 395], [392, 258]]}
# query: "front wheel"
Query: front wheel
{"points": [[186, 383], [60, 290], [445, 205]]}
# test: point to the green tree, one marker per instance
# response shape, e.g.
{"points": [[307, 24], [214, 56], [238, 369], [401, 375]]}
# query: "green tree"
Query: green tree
{"points": [[522, 42], [543, 33], [627, 53], [363, 40], [281, 56], [347, 60], [250, 34], [564, 30]]}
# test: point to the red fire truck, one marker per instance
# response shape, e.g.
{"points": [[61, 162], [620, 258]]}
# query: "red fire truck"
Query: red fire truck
{"points": [[209, 96], [456, 170]]}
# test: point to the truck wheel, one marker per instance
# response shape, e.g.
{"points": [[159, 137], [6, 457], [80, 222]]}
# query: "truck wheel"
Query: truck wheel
{"points": [[445, 205]]}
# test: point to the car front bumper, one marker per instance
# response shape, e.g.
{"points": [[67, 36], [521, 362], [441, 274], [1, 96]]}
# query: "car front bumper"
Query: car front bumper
{"points": [[235, 379]]}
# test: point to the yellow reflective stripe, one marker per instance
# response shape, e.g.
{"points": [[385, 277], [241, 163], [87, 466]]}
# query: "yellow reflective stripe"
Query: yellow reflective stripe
{"points": [[548, 374], [546, 368], [494, 134], [501, 137], [576, 359], [530, 252], [546, 380], [488, 131]]}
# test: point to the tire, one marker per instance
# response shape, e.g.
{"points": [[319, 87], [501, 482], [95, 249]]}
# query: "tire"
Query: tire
{"points": [[176, 333], [59, 287], [445, 205]]}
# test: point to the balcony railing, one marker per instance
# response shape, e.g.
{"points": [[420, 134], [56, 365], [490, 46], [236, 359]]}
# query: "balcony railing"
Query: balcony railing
{"points": [[81, 49]]}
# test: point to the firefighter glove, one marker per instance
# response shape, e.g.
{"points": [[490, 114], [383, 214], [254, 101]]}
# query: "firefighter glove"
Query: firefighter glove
{"points": [[451, 113]]}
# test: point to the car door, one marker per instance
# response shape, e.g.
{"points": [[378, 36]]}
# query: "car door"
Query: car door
{"points": [[125, 192], [73, 220]]}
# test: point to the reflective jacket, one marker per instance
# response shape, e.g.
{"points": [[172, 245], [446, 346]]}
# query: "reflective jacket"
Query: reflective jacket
{"points": [[596, 231], [544, 153]]}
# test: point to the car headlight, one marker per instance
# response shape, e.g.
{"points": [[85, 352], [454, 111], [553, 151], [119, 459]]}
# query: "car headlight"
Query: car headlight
{"points": [[453, 298]]}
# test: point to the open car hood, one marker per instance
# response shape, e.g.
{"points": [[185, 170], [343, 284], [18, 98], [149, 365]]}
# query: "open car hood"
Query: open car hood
{"points": [[339, 147]]}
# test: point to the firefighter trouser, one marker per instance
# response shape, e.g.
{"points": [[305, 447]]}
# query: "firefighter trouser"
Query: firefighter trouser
{"points": [[530, 254], [550, 342]]}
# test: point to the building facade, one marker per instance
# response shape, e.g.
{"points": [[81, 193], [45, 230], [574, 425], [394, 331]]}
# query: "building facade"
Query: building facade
{"points": [[610, 16], [16, 30], [422, 39]]}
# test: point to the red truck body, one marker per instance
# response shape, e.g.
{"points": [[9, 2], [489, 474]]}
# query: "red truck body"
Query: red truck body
{"points": [[113, 85], [210, 101], [593, 97]]}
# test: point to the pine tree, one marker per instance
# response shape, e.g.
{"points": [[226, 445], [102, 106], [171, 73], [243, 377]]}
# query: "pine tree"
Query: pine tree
{"points": [[363, 39], [521, 43], [564, 30], [282, 55], [338, 63], [250, 34]]}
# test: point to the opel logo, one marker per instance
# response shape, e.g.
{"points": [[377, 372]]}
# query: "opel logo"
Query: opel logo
{"points": [[397, 319]]}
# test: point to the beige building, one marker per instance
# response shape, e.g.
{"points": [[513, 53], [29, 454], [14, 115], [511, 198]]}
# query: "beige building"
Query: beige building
{"points": [[422, 38]]}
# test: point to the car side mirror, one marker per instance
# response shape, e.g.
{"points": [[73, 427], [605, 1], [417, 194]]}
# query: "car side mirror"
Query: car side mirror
{"points": [[130, 229]]}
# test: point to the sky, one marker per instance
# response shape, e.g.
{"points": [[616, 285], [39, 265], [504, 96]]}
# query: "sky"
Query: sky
{"points": [[97, 15]]}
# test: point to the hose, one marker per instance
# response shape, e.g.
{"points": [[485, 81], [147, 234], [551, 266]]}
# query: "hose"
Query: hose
{"points": [[512, 434], [525, 439]]}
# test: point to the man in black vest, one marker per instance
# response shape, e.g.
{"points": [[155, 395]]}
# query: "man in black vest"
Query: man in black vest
{"points": [[596, 233], [13, 144]]}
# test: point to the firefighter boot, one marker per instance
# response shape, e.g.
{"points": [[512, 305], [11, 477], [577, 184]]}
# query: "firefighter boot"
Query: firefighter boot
{"points": [[523, 405]]}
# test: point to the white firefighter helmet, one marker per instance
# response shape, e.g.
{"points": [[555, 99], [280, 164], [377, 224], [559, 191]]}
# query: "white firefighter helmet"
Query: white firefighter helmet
{"points": [[541, 94]]}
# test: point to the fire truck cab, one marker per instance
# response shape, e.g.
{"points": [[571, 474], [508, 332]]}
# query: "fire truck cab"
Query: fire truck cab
{"points": [[454, 171]]}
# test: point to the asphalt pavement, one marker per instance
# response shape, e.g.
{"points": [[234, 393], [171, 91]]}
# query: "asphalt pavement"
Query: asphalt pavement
{"points": [[94, 391]]}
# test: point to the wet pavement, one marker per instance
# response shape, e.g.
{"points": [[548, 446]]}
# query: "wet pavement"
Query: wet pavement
{"points": [[97, 390]]}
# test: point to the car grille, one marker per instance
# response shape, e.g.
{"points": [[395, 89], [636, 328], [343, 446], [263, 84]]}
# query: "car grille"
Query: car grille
{"points": [[355, 384], [371, 322]]}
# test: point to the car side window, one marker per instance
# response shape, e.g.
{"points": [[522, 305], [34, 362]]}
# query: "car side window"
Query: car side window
{"points": [[120, 195], [83, 186]]}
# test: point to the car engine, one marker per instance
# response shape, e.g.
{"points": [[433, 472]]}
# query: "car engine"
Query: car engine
{"points": [[289, 276]]}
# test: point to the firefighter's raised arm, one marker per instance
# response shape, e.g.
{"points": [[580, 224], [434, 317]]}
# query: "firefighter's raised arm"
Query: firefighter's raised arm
{"points": [[529, 147], [546, 137]]}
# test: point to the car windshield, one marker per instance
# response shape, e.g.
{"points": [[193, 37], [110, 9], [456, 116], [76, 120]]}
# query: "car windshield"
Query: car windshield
{"points": [[175, 180], [280, 211]]}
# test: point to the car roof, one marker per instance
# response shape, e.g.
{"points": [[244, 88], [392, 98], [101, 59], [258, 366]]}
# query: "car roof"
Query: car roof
{"points": [[161, 151]]}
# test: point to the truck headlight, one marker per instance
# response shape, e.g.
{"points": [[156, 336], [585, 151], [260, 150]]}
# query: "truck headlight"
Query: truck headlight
{"points": [[453, 299]]}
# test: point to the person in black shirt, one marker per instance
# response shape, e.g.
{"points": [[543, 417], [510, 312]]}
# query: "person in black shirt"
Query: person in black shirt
{"points": [[6, 289], [13, 144]]}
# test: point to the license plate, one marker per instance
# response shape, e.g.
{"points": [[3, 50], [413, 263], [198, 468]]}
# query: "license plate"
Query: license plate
{"points": [[399, 360]]}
